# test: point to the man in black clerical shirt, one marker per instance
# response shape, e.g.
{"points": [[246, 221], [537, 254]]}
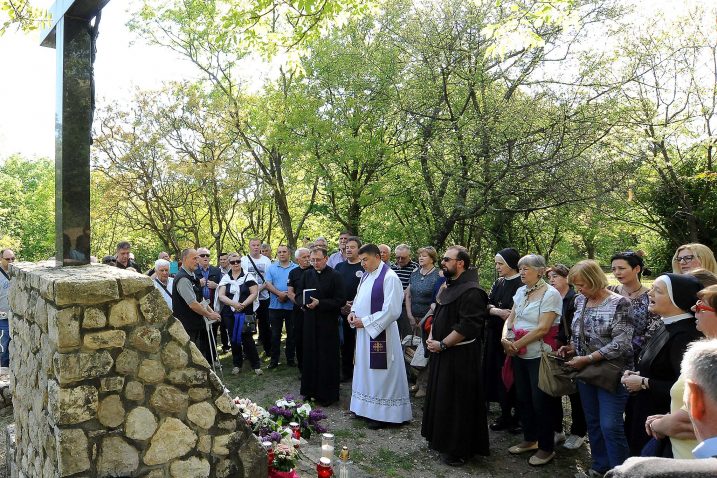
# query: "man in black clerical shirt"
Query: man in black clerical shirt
{"points": [[321, 293], [295, 276], [350, 271]]}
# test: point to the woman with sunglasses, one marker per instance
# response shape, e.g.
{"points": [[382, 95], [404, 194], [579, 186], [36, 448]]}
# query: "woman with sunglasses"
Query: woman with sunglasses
{"points": [[693, 256], [677, 424], [671, 297], [237, 293]]}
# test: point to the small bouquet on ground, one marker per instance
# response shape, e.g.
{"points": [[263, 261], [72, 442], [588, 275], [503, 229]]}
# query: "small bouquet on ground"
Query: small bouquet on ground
{"points": [[285, 457], [287, 410]]}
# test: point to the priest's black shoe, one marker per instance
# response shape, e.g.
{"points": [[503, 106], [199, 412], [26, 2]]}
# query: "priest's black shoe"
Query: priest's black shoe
{"points": [[501, 424], [376, 425], [451, 460]]}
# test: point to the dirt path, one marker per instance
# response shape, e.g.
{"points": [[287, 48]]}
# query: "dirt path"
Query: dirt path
{"points": [[400, 452]]}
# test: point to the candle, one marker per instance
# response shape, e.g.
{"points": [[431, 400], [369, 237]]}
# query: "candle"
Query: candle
{"points": [[327, 451], [323, 468]]}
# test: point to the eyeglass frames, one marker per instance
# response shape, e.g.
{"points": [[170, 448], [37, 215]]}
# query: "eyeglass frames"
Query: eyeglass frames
{"points": [[702, 307], [686, 259]]}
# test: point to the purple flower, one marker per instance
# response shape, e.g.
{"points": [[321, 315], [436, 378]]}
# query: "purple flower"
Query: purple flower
{"points": [[275, 437], [274, 410], [289, 397], [320, 428]]}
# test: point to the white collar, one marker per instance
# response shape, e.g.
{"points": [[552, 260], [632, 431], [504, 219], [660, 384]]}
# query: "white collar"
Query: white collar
{"points": [[676, 318], [512, 277]]}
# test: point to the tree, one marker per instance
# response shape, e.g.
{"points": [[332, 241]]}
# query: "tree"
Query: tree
{"points": [[27, 205]]}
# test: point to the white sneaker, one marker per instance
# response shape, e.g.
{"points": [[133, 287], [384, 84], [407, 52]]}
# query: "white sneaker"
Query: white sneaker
{"points": [[236, 371], [258, 371], [558, 437], [573, 442]]}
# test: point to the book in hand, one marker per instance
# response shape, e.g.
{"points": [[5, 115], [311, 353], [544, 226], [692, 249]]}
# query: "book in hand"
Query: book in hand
{"points": [[308, 295]]}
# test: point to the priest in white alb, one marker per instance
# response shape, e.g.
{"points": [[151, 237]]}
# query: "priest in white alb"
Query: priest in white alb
{"points": [[380, 388]]}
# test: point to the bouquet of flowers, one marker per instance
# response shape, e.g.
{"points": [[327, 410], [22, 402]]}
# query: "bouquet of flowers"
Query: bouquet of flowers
{"points": [[284, 457], [287, 410]]}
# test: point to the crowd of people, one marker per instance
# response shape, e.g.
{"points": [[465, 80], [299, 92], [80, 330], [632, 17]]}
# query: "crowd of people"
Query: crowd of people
{"points": [[642, 360]]}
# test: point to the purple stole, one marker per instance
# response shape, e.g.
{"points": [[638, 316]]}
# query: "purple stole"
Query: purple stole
{"points": [[378, 353]]}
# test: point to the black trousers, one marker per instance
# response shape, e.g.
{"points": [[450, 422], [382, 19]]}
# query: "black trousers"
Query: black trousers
{"points": [[277, 318], [240, 348], [262, 320], [348, 348], [298, 326]]}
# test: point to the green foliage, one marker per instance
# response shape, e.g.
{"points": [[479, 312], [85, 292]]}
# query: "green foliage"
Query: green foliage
{"points": [[22, 15], [27, 205]]}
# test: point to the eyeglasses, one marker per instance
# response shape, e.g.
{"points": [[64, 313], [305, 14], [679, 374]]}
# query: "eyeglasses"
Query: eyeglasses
{"points": [[313, 260], [9, 259], [235, 262], [701, 307], [203, 255], [686, 259], [447, 259]]}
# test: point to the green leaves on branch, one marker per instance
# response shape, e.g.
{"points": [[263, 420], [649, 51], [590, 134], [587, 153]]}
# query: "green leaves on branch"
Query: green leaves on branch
{"points": [[22, 15]]}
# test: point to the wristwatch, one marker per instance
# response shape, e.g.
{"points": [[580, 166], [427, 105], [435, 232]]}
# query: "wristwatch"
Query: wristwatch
{"points": [[643, 385], [442, 345]]}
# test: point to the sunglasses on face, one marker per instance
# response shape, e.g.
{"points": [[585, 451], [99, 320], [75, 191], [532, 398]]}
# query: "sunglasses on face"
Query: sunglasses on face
{"points": [[447, 259], [9, 259], [203, 255], [235, 262], [685, 258], [701, 307]]}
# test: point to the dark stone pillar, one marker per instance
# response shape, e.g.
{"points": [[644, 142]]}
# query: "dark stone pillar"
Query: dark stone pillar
{"points": [[73, 123]]}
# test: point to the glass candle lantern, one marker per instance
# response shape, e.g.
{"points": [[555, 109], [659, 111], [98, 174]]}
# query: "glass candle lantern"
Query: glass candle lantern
{"points": [[327, 446], [323, 468], [269, 448], [295, 430]]}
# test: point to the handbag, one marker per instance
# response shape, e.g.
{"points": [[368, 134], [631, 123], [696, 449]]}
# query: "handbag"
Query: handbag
{"points": [[555, 378], [605, 373], [249, 324]]}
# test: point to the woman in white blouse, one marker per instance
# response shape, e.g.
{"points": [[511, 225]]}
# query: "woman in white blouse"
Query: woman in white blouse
{"points": [[531, 327]]}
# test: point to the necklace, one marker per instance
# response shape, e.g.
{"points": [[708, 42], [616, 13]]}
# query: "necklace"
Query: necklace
{"points": [[423, 276], [634, 292]]}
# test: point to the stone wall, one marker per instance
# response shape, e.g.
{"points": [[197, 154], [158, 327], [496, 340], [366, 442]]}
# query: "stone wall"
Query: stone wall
{"points": [[106, 383]]}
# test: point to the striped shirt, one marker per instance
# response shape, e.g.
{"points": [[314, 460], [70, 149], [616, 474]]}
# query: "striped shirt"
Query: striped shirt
{"points": [[404, 273]]}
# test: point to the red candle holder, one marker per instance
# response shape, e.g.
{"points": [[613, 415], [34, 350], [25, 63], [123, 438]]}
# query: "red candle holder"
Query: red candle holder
{"points": [[269, 447], [323, 468], [295, 430]]}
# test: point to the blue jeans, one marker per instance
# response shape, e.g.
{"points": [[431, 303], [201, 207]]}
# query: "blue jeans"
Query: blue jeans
{"points": [[5, 343], [606, 426]]}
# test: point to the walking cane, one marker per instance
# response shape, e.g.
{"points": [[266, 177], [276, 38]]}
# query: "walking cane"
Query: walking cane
{"points": [[216, 364]]}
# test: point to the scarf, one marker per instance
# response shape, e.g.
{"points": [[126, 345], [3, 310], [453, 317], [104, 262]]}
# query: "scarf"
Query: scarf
{"points": [[378, 353]]}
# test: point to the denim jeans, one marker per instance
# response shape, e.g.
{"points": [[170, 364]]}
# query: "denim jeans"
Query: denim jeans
{"points": [[5, 343], [537, 408], [606, 426]]}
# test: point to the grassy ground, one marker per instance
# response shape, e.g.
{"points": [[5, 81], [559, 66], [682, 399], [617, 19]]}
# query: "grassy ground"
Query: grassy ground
{"points": [[397, 452]]}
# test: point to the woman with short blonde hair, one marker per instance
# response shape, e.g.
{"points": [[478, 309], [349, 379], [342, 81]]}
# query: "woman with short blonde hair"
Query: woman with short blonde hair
{"points": [[602, 330], [692, 256], [590, 273]]}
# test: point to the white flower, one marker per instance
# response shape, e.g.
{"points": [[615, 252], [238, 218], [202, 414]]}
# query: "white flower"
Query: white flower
{"points": [[304, 410]]}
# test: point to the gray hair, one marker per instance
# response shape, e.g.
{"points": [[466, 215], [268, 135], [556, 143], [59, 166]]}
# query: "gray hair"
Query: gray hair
{"points": [[699, 364], [265, 246], [534, 261], [320, 238], [300, 251], [161, 263], [402, 247]]}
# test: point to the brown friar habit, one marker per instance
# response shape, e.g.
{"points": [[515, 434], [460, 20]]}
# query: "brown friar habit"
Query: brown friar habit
{"points": [[454, 415]]}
